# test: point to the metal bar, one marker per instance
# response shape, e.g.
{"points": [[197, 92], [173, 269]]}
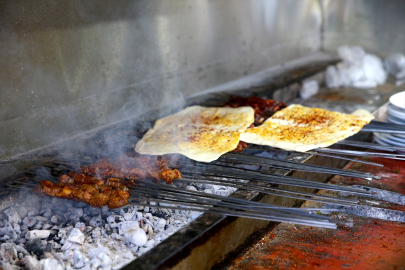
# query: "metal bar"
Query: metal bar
{"points": [[285, 164], [362, 153], [315, 154], [368, 145]]}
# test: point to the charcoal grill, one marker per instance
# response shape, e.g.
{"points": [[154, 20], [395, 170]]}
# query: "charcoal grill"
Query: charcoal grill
{"points": [[84, 81]]}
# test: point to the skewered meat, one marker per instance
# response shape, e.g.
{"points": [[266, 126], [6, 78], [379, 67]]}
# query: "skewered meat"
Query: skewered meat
{"points": [[165, 173], [95, 195], [264, 108], [137, 168]]}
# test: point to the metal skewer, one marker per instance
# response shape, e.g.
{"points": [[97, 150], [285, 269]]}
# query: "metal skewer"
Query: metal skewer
{"points": [[316, 154], [285, 164]]}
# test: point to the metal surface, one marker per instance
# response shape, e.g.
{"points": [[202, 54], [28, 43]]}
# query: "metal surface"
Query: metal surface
{"points": [[69, 67], [370, 244], [378, 26]]}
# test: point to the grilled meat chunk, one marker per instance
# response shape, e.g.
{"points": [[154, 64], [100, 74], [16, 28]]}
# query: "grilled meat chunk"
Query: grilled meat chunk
{"points": [[95, 195]]}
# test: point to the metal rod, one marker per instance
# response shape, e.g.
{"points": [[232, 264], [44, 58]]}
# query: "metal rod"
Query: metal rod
{"points": [[362, 153], [285, 164], [318, 154], [368, 145]]}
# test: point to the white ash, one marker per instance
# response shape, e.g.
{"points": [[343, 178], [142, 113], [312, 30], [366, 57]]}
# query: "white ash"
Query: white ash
{"points": [[79, 236]]}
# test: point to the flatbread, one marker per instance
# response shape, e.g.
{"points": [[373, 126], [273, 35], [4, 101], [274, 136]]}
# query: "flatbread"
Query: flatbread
{"points": [[200, 133], [299, 128]]}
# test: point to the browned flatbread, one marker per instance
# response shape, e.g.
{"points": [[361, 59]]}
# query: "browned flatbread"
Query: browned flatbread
{"points": [[299, 128], [200, 133]]}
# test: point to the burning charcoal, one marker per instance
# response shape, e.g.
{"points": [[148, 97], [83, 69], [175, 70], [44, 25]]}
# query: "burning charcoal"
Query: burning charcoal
{"points": [[8, 233], [95, 211], [124, 226], [13, 253], [136, 236], [147, 228], [37, 247], [128, 212], [160, 224], [21, 241], [79, 204], [80, 225], [5, 238], [22, 250], [138, 216], [75, 236], [56, 245], [10, 249], [195, 215], [116, 236], [95, 263], [146, 209], [17, 228], [56, 219], [209, 191], [191, 188], [8, 266], [150, 243], [47, 226], [40, 234], [61, 204], [62, 233], [20, 256], [37, 226], [96, 221], [32, 211], [158, 237], [96, 233], [29, 221], [47, 213], [46, 206], [30, 263], [79, 260], [71, 246], [88, 229], [128, 255], [41, 219], [12, 215], [208, 186], [22, 211], [105, 260], [113, 220], [5, 230], [77, 211], [220, 190], [72, 217], [51, 263]]}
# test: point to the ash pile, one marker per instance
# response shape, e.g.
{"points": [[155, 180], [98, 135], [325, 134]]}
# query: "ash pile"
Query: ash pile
{"points": [[53, 233]]}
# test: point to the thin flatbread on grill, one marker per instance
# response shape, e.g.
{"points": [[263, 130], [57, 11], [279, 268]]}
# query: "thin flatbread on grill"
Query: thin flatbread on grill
{"points": [[200, 133], [299, 128]]}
